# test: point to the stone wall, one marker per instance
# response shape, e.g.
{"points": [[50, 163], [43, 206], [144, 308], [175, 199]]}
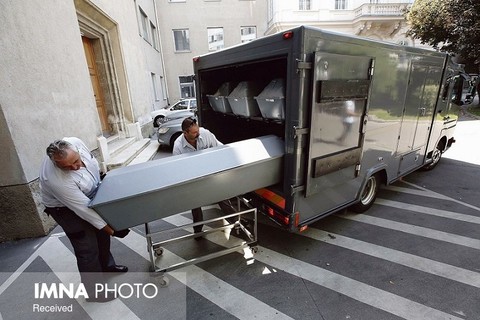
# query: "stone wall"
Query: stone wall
{"points": [[22, 203]]}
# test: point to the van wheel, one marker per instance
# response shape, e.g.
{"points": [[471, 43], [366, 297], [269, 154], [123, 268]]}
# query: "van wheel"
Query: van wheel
{"points": [[369, 194], [436, 156]]}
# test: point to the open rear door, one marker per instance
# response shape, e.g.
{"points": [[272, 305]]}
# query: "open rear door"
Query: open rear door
{"points": [[338, 118]]}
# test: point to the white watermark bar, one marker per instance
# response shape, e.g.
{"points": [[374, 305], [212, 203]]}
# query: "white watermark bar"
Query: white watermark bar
{"points": [[66, 295]]}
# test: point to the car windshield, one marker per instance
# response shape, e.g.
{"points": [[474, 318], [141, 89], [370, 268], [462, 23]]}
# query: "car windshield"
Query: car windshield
{"points": [[180, 105]]}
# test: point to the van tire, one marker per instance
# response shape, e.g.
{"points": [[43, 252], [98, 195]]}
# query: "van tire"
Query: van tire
{"points": [[368, 195], [436, 156]]}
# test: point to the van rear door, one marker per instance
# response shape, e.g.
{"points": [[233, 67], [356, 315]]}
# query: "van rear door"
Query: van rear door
{"points": [[341, 89]]}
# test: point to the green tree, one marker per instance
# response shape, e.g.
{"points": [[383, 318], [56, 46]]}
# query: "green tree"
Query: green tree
{"points": [[451, 26]]}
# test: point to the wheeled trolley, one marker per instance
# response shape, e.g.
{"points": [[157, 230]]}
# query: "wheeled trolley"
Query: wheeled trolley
{"points": [[217, 173], [239, 221]]}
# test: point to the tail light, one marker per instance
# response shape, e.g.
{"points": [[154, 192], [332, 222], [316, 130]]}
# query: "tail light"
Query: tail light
{"points": [[276, 215]]}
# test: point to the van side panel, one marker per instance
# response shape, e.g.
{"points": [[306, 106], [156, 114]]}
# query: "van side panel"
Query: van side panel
{"points": [[399, 111]]}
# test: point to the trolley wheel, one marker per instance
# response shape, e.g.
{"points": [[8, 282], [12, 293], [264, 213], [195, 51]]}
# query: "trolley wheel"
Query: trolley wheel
{"points": [[163, 282], [254, 249], [158, 251]]}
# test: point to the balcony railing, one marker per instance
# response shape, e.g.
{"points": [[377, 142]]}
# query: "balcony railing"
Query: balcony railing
{"points": [[387, 9], [381, 9]]}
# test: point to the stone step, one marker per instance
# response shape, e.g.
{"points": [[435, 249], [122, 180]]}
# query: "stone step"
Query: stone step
{"points": [[147, 154], [116, 146], [127, 154], [112, 138]]}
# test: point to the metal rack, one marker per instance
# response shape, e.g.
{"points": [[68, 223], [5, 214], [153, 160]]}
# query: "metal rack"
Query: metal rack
{"points": [[155, 248]]}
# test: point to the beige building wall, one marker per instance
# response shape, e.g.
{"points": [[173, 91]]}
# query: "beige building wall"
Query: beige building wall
{"points": [[46, 91], [197, 16], [380, 20]]}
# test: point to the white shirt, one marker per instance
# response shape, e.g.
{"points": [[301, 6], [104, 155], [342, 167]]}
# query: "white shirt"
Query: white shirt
{"points": [[72, 188], [205, 140]]}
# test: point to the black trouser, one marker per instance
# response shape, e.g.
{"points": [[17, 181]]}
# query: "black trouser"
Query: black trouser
{"points": [[197, 215], [91, 246]]}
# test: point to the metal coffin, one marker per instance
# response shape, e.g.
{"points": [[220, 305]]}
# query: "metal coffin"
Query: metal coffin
{"points": [[271, 101], [241, 99], [134, 195], [219, 101]]}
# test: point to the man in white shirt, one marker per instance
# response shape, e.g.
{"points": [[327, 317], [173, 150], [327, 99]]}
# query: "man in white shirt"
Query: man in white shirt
{"points": [[196, 138], [69, 178]]}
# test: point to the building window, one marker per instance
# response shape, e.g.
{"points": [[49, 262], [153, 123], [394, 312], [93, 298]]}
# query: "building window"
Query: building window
{"points": [[154, 33], [155, 87], [182, 40], [144, 21], [340, 4], [248, 33], [187, 88], [138, 18], [304, 5], [215, 39]]}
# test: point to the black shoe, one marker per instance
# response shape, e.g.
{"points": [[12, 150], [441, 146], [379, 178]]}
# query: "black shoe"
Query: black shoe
{"points": [[198, 229], [101, 299], [116, 268]]}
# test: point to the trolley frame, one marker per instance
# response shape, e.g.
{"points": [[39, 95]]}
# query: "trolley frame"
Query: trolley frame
{"points": [[155, 249]]}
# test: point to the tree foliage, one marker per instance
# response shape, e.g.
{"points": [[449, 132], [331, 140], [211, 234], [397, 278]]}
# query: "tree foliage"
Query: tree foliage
{"points": [[451, 26]]}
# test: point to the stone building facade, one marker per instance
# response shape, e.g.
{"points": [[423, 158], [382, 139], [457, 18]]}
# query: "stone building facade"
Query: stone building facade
{"points": [[85, 68]]}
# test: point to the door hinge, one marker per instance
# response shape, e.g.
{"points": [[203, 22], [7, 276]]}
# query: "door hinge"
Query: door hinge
{"points": [[299, 131], [372, 68], [304, 65], [295, 189]]}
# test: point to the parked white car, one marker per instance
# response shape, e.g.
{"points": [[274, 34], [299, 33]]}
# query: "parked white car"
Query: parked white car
{"points": [[159, 116]]}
